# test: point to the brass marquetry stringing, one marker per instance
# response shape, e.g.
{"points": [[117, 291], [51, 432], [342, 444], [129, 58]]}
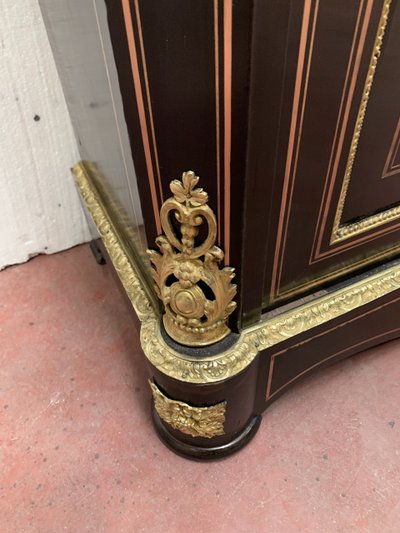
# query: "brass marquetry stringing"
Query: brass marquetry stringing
{"points": [[205, 422], [197, 294]]}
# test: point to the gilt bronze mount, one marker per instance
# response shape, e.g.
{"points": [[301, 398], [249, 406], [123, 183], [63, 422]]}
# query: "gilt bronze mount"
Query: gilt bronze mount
{"points": [[197, 294], [204, 422]]}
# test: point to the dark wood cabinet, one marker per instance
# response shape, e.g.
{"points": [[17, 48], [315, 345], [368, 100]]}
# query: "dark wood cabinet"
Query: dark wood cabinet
{"points": [[288, 112], [336, 214]]}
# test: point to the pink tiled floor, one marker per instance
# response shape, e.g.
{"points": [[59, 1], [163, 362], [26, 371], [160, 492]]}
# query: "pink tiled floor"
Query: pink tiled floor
{"points": [[78, 452]]}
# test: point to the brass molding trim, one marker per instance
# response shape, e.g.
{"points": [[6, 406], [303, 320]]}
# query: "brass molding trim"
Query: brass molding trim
{"points": [[133, 282], [252, 340], [197, 294], [205, 422], [340, 231], [346, 231]]}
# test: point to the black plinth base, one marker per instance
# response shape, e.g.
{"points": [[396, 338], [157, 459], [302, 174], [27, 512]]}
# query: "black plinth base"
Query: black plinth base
{"points": [[202, 453]]}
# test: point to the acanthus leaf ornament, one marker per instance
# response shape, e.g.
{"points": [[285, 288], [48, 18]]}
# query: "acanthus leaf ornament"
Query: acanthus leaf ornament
{"points": [[196, 292]]}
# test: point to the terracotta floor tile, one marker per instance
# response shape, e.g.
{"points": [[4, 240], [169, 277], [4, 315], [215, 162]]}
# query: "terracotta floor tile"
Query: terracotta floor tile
{"points": [[78, 451]]}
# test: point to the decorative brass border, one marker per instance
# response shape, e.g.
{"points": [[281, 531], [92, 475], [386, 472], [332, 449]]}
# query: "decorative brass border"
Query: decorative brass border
{"points": [[345, 231], [252, 340], [205, 422], [86, 175]]}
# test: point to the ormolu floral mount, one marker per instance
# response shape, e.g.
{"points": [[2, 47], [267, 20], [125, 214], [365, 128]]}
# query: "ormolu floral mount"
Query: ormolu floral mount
{"points": [[197, 294]]}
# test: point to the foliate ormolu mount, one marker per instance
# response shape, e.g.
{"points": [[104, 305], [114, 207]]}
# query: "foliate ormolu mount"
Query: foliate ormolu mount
{"points": [[197, 293]]}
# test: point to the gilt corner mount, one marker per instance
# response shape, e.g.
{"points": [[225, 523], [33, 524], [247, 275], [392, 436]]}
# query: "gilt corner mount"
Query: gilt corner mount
{"points": [[196, 292]]}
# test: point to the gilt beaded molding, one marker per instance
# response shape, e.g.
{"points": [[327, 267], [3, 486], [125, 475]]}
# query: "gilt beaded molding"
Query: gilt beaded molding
{"points": [[197, 293], [252, 340], [344, 231]]}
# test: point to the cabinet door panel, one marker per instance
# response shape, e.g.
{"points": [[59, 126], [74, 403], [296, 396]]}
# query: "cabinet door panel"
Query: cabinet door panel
{"points": [[336, 177]]}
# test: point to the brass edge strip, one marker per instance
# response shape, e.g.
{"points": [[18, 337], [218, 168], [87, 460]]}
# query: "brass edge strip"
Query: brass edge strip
{"points": [[148, 99], [131, 278], [217, 116], [252, 340], [341, 232], [228, 23]]}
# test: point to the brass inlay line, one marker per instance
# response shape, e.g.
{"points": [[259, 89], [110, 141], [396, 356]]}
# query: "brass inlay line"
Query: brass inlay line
{"points": [[287, 185], [217, 114], [148, 99], [227, 110], [341, 232], [331, 276], [251, 341], [140, 103], [227, 124], [303, 105]]}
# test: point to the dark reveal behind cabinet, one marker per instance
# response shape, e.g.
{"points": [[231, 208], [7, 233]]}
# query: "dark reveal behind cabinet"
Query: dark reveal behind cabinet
{"points": [[265, 136]]}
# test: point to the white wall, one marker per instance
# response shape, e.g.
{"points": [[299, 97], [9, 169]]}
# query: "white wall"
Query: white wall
{"points": [[39, 206]]}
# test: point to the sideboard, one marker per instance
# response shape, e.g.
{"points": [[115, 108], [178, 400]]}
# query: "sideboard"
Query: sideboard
{"points": [[241, 165]]}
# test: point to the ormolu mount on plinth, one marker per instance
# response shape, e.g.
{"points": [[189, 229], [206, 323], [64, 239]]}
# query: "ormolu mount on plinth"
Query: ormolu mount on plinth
{"points": [[196, 293]]}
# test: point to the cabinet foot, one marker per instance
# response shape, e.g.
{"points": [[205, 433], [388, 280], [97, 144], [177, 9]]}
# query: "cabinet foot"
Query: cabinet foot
{"points": [[206, 453]]}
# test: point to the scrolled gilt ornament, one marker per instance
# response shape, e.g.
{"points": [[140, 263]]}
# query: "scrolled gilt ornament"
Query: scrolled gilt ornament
{"points": [[197, 294]]}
